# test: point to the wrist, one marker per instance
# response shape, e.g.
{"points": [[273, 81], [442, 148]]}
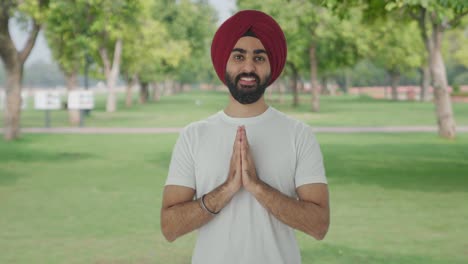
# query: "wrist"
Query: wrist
{"points": [[255, 187], [230, 188], [205, 207]]}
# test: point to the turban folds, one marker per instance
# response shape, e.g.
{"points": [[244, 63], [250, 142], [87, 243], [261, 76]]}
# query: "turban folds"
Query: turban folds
{"points": [[265, 29]]}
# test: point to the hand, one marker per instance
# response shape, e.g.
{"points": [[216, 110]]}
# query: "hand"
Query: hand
{"points": [[234, 180], [249, 172]]}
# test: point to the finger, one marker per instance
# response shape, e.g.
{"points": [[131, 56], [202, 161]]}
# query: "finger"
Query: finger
{"points": [[243, 151], [244, 136], [246, 154], [237, 140]]}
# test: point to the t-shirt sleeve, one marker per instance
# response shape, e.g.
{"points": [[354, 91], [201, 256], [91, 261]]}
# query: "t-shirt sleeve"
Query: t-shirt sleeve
{"points": [[309, 166], [181, 168]]}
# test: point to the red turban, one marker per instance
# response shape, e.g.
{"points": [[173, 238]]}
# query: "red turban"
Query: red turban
{"points": [[265, 29]]}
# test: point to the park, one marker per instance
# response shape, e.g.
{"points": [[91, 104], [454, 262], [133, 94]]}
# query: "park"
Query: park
{"points": [[84, 184]]}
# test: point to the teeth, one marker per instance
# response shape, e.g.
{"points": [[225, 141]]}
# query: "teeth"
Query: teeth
{"points": [[248, 78]]}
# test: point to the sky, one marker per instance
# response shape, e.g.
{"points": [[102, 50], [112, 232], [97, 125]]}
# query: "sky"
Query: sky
{"points": [[41, 51]]}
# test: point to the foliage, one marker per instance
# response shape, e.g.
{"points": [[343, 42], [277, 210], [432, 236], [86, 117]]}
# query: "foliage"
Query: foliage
{"points": [[339, 43], [396, 46], [455, 49], [68, 33], [149, 49], [193, 23]]}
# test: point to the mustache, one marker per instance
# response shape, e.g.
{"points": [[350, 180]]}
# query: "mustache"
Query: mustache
{"points": [[245, 74]]}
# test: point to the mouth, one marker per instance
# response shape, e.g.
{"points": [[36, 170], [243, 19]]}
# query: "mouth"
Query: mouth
{"points": [[247, 81]]}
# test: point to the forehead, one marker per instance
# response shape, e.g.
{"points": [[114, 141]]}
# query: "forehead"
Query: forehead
{"points": [[249, 44]]}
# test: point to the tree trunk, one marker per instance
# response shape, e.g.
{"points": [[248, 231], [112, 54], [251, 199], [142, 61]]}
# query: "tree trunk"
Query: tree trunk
{"points": [[13, 62], [300, 86], [294, 89], [313, 79], [168, 87], [72, 81], [112, 73], [144, 92], [178, 87], [324, 90], [12, 110], [293, 84], [347, 81], [394, 82], [282, 89], [425, 82], [442, 100], [156, 92], [129, 90]]}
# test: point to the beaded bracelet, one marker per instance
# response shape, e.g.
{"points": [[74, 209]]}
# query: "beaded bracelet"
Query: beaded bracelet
{"points": [[202, 204]]}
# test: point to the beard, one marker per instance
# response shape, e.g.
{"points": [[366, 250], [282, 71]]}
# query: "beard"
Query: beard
{"points": [[246, 94]]}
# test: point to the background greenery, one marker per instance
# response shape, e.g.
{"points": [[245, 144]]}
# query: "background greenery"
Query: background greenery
{"points": [[178, 110], [395, 198]]}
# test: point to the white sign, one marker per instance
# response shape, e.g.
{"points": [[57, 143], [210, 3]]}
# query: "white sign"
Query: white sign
{"points": [[47, 100], [3, 100], [81, 99]]}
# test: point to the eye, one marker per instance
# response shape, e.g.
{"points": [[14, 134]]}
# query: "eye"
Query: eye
{"points": [[238, 57], [259, 59]]}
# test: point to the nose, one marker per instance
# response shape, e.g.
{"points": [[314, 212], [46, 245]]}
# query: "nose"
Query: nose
{"points": [[248, 66]]}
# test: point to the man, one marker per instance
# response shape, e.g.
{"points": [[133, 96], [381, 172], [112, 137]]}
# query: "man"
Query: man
{"points": [[255, 173]]}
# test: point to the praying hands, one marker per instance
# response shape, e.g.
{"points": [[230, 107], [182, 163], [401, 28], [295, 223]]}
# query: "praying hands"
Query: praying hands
{"points": [[242, 172]]}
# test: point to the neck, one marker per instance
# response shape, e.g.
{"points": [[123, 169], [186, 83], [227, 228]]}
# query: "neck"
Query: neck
{"points": [[236, 109]]}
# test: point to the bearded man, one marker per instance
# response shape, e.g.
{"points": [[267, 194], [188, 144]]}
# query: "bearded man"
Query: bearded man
{"points": [[249, 175]]}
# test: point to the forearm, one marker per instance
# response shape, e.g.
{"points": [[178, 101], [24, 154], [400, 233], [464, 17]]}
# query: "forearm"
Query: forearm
{"points": [[182, 218], [305, 216]]}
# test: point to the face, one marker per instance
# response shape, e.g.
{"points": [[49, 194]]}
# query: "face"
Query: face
{"points": [[248, 70]]}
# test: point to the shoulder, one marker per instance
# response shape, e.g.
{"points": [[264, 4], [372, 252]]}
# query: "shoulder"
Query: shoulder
{"points": [[297, 127], [197, 128]]}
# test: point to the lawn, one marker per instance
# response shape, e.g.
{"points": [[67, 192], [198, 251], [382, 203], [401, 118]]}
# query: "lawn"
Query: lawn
{"points": [[395, 198], [178, 110]]}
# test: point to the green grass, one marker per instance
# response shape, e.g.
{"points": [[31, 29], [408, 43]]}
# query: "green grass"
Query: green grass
{"points": [[179, 110], [395, 198]]}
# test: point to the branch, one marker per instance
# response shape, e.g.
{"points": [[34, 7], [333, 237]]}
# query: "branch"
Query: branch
{"points": [[457, 18], [5, 7], [23, 54], [413, 13], [117, 54], [105, 60]]}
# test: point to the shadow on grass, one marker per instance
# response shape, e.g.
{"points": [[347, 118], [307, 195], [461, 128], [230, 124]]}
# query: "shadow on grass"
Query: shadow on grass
{"points": [[419, 167], [8, 176], [327, 253], [25, 155]]}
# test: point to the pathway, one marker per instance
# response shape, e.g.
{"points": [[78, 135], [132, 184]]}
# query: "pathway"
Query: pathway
{"points": [[165, 130]]}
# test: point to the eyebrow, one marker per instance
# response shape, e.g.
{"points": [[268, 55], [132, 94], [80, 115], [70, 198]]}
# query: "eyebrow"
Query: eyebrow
{"points": [[243, 51]]}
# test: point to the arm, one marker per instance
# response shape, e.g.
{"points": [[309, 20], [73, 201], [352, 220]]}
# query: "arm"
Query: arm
{"points": [[310, 214], [180, 214]]}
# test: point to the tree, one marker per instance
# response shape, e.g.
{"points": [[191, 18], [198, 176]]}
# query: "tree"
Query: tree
{"points": [[317, 40], [196, 21], [191, 22], [150, 51], [111, 21], [32, 13], [434, 17], [396, 48], [67, 32]]}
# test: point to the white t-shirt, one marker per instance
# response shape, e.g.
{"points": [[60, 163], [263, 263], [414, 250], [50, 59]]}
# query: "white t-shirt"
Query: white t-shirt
{"points": [[286, 156]]}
